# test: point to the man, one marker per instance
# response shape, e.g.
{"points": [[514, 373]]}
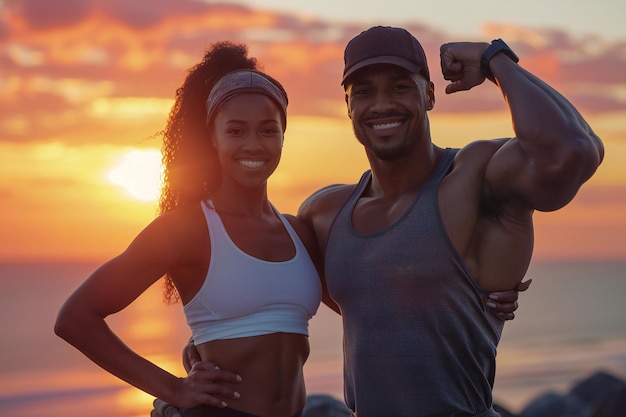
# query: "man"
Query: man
{"points": [[412, 250]]}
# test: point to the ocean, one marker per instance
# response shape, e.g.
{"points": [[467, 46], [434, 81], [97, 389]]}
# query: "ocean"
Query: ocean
{"points": [[571, 323]]}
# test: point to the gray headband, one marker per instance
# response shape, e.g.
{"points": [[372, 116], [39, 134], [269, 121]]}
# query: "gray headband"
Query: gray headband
{"points": [[241, 82]]}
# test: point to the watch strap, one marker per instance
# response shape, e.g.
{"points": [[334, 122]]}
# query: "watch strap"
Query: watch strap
{"points": [[497, 46]]}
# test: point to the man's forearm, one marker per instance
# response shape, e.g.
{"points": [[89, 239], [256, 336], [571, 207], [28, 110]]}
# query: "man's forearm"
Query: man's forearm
{"points": [[548, 127]]}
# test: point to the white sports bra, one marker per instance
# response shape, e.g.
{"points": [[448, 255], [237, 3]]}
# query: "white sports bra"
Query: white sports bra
{"points": [[245, 296]]}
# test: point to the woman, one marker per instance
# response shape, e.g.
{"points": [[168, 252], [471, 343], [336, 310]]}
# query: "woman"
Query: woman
{"points": [[248, 285]]}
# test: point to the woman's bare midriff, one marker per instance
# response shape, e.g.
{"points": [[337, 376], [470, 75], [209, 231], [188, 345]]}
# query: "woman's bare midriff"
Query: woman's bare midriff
{"points": [[271, 369]]}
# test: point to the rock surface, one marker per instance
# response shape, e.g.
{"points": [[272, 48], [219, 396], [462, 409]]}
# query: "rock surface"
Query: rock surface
{"points": [[600, 395]]}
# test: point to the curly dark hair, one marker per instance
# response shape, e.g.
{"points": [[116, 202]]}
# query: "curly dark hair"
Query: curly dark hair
{"points": [[188, 158], [189, 161]]}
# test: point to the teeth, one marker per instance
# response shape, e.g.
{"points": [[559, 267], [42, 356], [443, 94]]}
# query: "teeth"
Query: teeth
{"points": [[386, 126], [251, 164]]}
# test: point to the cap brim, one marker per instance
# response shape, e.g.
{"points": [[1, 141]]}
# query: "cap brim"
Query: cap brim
{"points": [[389, 59]]}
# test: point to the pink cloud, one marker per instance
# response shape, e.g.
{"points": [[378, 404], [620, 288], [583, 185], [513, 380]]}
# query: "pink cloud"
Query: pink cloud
{"points": [[143, 47], [44, 15]]}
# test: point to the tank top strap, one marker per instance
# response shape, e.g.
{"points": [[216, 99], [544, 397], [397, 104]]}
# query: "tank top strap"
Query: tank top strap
{"points": [[345, 212], [446, 161], [360, 187], [441, 169], [217, 231], [295, 238], [208, 208]]}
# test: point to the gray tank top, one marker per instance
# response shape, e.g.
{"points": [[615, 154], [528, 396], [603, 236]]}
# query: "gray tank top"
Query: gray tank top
{"points": [[418, 338]]}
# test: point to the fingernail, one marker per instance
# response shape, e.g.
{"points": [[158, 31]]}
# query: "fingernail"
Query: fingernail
{"points": [[236, 394], [491, 304], [493, 296], [217, 368], [224, 404], [239, 379]]}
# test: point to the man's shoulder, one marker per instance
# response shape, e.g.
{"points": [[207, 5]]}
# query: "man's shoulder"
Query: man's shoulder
{"points": [[475, 156], [482, 146], [329, 198], [331, 191]]}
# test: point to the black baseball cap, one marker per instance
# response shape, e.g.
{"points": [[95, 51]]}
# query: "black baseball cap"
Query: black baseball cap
{"points": [[385, 45]]}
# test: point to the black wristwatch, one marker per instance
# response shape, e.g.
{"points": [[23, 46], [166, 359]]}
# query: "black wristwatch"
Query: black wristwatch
{"points": [[497, 46]]}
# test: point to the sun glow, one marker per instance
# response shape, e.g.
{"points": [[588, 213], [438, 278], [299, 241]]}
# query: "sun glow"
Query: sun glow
{"points": [[139, 173]]}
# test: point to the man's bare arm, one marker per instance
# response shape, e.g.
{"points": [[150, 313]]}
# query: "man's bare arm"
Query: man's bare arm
{"points": [[554, 150]]}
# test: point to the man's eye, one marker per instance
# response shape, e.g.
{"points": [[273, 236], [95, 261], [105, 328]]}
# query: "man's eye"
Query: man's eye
{"points": [[360, 91]]}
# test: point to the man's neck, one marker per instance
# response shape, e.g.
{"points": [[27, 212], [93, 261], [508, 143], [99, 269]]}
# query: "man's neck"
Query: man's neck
{"points": [[394, 178]]}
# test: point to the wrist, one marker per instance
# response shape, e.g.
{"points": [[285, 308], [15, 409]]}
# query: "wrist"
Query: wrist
{"points": [[497, 47]]}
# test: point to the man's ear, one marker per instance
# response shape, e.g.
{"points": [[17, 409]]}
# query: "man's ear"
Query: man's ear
{"points": [[348, 105], [430, 92]]}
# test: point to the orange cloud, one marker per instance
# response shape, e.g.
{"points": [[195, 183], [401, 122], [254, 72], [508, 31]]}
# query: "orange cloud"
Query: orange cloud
{"points": [[546, 63], [91, 74]]}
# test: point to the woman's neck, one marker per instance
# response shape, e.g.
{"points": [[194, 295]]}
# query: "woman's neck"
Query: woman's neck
{"points": [[244, 203]]}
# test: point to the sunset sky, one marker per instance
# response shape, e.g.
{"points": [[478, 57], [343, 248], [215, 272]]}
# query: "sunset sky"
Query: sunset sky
{"points": [[86, 84]]}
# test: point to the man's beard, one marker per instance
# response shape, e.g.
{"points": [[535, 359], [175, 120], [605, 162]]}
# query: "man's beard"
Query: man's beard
{"points": [[390, 153]]}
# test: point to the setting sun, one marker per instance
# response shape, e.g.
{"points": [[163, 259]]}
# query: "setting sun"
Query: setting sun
{"points": [[139, 173]]}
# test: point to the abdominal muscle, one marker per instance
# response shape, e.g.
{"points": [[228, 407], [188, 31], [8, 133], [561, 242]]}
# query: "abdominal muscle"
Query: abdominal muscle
{"points": [[271, 368]]}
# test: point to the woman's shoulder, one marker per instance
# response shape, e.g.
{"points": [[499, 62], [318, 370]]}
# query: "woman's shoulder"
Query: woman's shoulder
{"points": [[181, 217], [182, 226]]}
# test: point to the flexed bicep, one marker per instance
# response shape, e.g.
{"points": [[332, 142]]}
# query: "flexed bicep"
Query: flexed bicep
{"points": [[514, 175]]}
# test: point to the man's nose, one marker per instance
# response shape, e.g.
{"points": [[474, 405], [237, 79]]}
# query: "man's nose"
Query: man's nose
{"points": [[383, 102]]}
